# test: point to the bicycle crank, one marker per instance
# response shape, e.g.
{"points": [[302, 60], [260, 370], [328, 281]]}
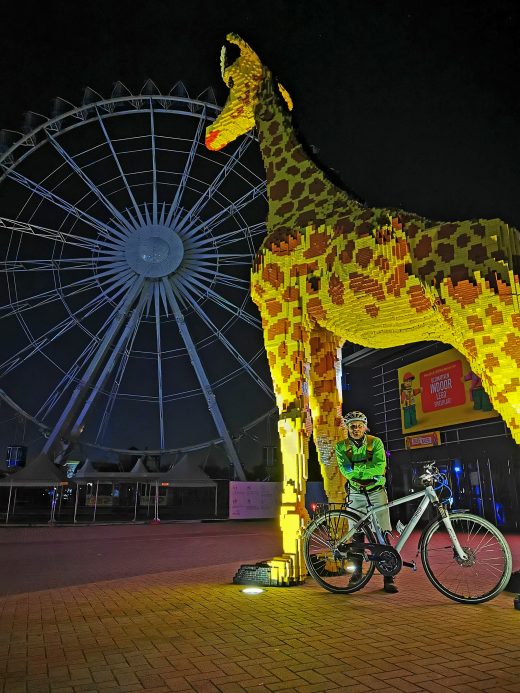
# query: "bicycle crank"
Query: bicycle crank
{"points": [[387, 560]]}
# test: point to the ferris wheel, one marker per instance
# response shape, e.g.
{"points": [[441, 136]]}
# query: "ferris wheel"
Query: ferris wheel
{"points": [[125, 252]]}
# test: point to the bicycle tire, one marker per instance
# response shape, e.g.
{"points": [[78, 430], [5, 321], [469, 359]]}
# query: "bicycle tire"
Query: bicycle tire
{"points": [[324, 564], [488, 555]]}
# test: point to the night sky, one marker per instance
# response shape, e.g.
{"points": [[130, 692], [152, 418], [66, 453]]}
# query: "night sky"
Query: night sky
{"points": [[413, 104]]}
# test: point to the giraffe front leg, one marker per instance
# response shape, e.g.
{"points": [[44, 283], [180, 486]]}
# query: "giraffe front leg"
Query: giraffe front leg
{"points": [[290, 568], [287, 359], [325, 403]]}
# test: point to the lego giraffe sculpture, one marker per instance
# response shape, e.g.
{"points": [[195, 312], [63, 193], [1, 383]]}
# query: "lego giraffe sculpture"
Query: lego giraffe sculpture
{"points": [[332, 269]]}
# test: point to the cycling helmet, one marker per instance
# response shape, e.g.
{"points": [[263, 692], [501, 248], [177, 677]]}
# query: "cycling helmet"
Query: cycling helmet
{"points": [[355, 416]]}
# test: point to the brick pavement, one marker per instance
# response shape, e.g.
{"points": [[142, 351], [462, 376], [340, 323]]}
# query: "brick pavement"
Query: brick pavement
{"points": [[192, 630]]}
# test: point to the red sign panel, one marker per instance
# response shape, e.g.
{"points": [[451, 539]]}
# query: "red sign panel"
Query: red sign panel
{"points": [[423, 440], [442, 387]]}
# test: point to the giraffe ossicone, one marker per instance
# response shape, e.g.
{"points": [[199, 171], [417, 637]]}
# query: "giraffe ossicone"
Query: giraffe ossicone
{"points": [[332, 269]]}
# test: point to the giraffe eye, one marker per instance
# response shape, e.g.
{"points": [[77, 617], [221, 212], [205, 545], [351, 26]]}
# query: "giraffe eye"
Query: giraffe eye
{"points": [[231, 83]]}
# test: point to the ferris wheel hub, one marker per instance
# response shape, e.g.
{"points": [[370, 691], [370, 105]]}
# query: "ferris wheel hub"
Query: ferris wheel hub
{"points": [[154, 251]]}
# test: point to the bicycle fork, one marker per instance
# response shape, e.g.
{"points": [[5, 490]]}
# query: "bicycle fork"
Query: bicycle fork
{"points": [[445, 517]]}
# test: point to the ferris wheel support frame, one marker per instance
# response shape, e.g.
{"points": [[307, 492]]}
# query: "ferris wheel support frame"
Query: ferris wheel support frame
{"points": [[58, 443], [204, 383]]}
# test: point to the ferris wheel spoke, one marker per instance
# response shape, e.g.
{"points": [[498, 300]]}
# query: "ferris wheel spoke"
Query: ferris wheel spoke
{"points": [[154, 165], [223, 258], [113, 288], [221, 277], [36, 188], [232, 350], [59, 264], [210, 224], [69, 377], [65, 238], [124, 225], [37, 345], [129, 322], [110, 269], [122, 175], [215, 184], [85, 355], [25, 304], [230, 237], [186, 173], [159, 361], [205, 292]]}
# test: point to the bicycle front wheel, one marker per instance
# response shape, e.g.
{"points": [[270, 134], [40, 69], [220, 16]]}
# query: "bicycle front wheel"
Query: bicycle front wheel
{"points": [[332, 562], [487, 567]]}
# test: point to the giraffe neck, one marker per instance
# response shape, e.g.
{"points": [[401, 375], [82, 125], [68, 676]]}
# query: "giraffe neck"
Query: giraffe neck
{"points": [[297, 188]]}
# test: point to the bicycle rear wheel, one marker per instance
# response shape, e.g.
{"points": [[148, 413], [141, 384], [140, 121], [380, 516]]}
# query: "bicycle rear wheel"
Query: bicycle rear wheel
{"points": [[485, 572], [328, 558]]}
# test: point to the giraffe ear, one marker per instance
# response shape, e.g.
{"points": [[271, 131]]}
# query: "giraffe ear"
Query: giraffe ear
{"points": [[285, 95]]}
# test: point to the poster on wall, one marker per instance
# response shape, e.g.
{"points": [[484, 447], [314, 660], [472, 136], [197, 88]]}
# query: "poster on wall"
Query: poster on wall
{"points": [[441, 390], [256, 499]]}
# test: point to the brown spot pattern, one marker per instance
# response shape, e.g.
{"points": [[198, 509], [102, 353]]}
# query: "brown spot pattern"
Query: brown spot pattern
{"points": [[364, 256], [318, 244], [363, 284], [423, 248], [273, 275], [336, 290], [279, 190]]}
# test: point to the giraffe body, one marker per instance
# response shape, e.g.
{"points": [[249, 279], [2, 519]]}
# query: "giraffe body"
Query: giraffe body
{"points": [[332, 269]]}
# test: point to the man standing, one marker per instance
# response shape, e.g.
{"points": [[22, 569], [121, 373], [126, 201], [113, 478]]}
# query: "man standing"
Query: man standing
{"points": [[362, 460]]}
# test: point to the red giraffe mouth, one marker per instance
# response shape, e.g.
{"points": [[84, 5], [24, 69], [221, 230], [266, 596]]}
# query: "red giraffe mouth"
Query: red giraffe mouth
{"points": [[211, 138]]}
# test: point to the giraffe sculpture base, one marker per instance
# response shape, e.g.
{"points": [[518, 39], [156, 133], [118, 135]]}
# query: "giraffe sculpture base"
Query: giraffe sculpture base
{"points": [[278, 572]]}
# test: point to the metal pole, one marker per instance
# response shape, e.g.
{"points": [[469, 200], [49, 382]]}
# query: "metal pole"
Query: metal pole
{"points": [[53, 505], [60, 499], [156, 518], [8, 503], [76, 502], [216, 490], [14, 499], [492, 491], [95, 501], [135, 501]]}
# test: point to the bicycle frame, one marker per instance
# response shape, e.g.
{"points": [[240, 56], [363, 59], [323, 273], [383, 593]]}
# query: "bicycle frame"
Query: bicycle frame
{"points": [[428, 497]]}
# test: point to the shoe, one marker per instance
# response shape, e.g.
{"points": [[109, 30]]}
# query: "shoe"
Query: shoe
{"points": [[389, 585], [355, 578]]}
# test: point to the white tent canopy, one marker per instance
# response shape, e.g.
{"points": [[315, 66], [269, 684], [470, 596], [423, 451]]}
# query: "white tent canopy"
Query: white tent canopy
{"points": [[40, 472]]}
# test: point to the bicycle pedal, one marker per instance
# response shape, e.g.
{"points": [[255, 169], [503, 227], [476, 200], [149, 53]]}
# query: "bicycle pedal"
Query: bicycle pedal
{"points": [[410, 564]]}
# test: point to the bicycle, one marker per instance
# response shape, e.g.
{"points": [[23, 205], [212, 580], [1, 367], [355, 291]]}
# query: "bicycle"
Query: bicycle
{"points": [[464, 556]]}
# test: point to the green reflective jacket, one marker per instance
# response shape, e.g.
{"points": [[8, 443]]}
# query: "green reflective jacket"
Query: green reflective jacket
{"points": [[359, 466]]}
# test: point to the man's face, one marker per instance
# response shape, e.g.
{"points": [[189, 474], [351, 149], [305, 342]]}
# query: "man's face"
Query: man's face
{"points": [[356, 429]]}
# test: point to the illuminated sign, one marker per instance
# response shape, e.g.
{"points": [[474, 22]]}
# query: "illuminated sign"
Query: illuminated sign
{"points": [[441, 390]]}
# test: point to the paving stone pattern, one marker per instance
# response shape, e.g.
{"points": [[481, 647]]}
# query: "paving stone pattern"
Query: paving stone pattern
{"points": [[192, 630]]}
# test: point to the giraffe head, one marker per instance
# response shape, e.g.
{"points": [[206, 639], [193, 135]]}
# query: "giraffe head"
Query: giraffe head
{"points": [[243, 78]]}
